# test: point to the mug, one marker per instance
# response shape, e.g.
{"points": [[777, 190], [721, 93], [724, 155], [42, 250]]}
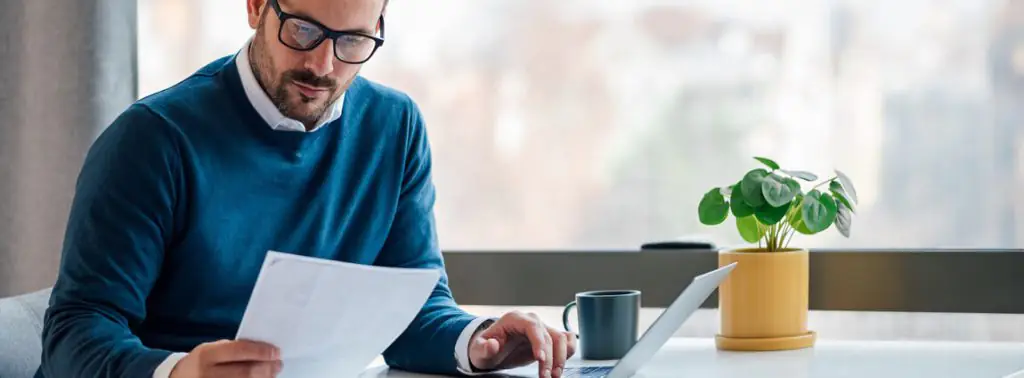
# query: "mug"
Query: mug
{"points": [[608, 322]]}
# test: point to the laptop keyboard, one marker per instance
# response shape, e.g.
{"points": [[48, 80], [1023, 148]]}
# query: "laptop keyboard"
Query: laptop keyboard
{"points": [[586, 372]]}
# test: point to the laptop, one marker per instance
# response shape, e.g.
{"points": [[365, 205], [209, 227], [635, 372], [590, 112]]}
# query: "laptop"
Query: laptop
{"points": [[660, 331]]}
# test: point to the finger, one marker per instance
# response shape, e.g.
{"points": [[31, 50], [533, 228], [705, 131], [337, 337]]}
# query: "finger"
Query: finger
{"points": [[550, 348], [484, 352], [559, 347], [493, 347], [483, 347], [540, 340], [241, 351], [516, 354], [570, 347], [247, 369]]}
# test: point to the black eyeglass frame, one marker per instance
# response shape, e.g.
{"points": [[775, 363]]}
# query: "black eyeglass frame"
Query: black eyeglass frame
{"points": [[332, 34]]}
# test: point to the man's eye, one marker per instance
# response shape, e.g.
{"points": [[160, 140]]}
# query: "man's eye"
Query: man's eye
{"points": [[351, 40]]}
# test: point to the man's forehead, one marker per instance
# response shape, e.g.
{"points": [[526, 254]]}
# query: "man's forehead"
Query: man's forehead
{"points": [[337, 14]]}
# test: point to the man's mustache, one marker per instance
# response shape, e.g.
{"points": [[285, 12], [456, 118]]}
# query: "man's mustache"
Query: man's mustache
{"points": [[308, 78]]}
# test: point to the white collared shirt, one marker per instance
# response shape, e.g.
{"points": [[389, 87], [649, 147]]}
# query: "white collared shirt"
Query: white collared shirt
{"points": [[277, 121]]}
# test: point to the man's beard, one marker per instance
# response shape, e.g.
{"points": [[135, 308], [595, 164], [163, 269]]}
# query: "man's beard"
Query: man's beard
{"points": [[276, 89], [279, 95]]}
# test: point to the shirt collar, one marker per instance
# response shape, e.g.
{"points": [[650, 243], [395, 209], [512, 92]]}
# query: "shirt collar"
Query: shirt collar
{"points": [[266, 108]]}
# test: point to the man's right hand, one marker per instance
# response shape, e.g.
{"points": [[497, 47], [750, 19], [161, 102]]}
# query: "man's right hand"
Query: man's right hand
{"points": [[229, 359]]}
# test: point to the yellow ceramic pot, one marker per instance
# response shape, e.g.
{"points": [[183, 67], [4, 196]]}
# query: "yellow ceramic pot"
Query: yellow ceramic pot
{"points": [[763, 302]]}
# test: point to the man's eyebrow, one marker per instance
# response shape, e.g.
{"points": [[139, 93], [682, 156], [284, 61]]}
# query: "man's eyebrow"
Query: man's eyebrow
{"points": [[283, 5]]}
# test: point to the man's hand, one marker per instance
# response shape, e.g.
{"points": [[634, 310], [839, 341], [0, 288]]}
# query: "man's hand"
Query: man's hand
{"points": [[519, 339], [229, 359]]}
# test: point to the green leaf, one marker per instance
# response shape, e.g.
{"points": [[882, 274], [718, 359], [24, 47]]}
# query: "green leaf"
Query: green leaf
{"points": [[713, 209], [801, 227], [776, 191], [803, 175], [835, 185], [769, 215], [751, 187], [844, 219], [769, 162], [843, 198], [740, 208], [818, 211], [793, 184], [797, 221], [847, 184], [749, 229]]}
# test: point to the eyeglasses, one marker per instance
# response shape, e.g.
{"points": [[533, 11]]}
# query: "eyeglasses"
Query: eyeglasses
{"points": [[302, 34]]}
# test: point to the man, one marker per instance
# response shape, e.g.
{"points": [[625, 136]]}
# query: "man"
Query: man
{"points": [[279, 147]]}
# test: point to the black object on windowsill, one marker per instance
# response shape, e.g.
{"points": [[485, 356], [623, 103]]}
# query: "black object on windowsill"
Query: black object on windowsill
{"points": [[679, 244]]}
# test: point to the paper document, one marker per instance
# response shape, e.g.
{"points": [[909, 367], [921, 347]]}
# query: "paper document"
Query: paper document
{"points": [[329, 318]]}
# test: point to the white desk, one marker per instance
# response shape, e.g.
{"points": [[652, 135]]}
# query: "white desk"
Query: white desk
{"points": [[686, 357]]}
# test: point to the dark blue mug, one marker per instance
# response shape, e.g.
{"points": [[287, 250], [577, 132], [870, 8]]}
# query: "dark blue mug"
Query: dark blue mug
{"points": [[608, 322]]}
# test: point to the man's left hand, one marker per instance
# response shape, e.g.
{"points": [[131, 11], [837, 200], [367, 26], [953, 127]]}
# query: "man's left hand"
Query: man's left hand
{"points": [[518, 339]]}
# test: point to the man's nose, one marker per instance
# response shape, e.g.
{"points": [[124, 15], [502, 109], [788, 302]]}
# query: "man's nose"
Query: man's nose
{"points": [[320, 60]]}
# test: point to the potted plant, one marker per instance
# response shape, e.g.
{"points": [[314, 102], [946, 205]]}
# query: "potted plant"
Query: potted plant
{"points": [[763, 303]]}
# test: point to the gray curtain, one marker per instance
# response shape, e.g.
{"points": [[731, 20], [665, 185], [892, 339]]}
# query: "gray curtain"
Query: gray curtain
{"points": [[67, 68]]}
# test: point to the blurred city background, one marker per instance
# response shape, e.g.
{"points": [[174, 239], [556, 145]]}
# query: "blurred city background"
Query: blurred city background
{"points": [[598, 124]]}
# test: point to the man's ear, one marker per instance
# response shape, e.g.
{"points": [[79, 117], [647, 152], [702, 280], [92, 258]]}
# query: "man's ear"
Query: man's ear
{"points": [[254, 8], [383, 13]]}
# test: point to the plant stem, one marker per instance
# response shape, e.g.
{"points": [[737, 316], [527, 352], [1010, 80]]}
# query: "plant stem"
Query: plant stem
{"points": [[785, 229], [762, 238], [823, 182], [775, 238], [778, 235], [789, 233]]}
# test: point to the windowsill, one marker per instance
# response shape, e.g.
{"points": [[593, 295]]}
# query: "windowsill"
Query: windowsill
{"points": [[836, 325]]}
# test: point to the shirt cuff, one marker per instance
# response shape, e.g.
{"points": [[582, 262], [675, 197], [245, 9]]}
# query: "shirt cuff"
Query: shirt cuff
{"points": [[164, 369], [462, 345]]}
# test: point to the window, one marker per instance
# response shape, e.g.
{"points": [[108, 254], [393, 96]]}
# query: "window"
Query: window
{"points": [[599, 124]]}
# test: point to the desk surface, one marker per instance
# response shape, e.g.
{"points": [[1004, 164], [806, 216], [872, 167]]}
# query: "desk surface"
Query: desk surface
{"points": [[686, 357]]}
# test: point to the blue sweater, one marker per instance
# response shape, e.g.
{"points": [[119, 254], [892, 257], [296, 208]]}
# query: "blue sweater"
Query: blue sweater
{"points": [[181, 197]]}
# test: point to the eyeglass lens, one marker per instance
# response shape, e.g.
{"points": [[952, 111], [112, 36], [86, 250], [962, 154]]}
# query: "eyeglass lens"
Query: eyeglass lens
{"points": [[303, 35]]}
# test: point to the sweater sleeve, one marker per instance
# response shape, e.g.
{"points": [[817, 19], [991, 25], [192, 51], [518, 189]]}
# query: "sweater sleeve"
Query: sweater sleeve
{"points": [[120, 221], [428, 344]]}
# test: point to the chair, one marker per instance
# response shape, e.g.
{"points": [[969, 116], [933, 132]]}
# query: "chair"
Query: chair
{"points": [[21, 324]]}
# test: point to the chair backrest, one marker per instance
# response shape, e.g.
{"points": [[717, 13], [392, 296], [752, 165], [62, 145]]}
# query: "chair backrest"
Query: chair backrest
{"points": [[21, 324]]}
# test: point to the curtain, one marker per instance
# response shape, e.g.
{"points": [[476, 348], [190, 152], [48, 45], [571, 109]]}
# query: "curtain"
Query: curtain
{"points": [[67, 69]]}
